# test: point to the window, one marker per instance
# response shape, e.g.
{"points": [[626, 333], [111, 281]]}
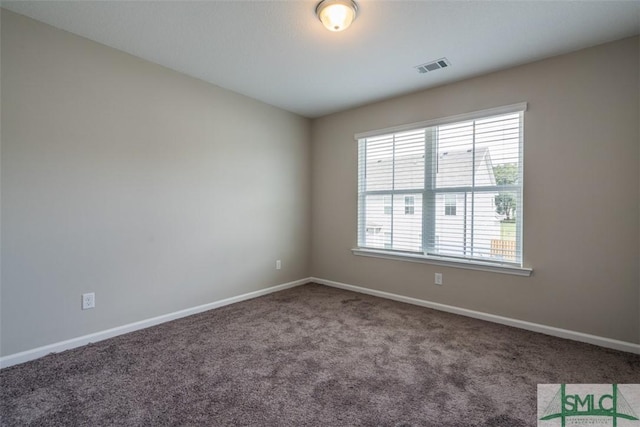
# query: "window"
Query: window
{"points": [[387, 205], [461, 183], [450, 204], [409, 203]]}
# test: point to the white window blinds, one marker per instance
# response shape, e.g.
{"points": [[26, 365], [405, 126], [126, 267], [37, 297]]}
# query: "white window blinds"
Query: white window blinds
{"points": [[451, 188]]}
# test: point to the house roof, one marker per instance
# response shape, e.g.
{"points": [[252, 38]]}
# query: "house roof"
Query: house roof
{"points": [[454, 168]]}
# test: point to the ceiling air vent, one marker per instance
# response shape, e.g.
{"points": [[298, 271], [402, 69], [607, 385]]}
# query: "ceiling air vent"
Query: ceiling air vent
{"points": [[433, 65]]}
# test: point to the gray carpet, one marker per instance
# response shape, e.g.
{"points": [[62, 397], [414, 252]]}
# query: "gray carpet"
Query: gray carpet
{"points": [[308, 356]]}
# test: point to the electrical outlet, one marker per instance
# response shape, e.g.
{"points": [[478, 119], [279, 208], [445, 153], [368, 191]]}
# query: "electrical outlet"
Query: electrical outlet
{"points": [[438, 279], [88, 300], [278, 264]]}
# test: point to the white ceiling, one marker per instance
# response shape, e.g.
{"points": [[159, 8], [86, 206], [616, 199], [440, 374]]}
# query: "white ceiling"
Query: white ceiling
{"points": [[278, 51]]}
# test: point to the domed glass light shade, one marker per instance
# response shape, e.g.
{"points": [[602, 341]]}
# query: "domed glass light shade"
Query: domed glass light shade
{"points": [[336, 15]]}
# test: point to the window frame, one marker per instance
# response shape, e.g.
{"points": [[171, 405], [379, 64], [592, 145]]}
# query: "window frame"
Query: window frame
{"points": [[428, 191]]}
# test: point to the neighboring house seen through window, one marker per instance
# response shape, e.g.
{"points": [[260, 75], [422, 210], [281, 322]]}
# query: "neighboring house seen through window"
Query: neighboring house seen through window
{"points": [[456, 186]]}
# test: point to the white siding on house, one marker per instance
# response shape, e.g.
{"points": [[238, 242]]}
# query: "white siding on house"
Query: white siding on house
{"points": [[403, 230], [457, 234]]}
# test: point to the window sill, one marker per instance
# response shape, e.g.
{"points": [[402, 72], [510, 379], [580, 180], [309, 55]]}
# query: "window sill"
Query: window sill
{"points": [[469, 265]]}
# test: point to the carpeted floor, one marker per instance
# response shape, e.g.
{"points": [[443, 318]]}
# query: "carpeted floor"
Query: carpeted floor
{"points": [[307, 356]]}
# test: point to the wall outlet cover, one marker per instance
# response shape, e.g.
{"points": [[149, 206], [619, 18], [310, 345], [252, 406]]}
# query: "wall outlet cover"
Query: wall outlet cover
{"points": [[88, 300]]}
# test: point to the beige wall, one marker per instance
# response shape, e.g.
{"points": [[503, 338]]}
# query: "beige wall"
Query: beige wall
{"points": [[160, 192], [580, 194], [156, 191]]}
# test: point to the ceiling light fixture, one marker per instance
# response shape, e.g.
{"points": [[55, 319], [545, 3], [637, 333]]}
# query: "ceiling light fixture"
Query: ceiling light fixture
{"points": [[337, 15]]}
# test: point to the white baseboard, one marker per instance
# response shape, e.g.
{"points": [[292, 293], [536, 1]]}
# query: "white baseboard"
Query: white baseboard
{"points": [[25, 356], [535, 327]]}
